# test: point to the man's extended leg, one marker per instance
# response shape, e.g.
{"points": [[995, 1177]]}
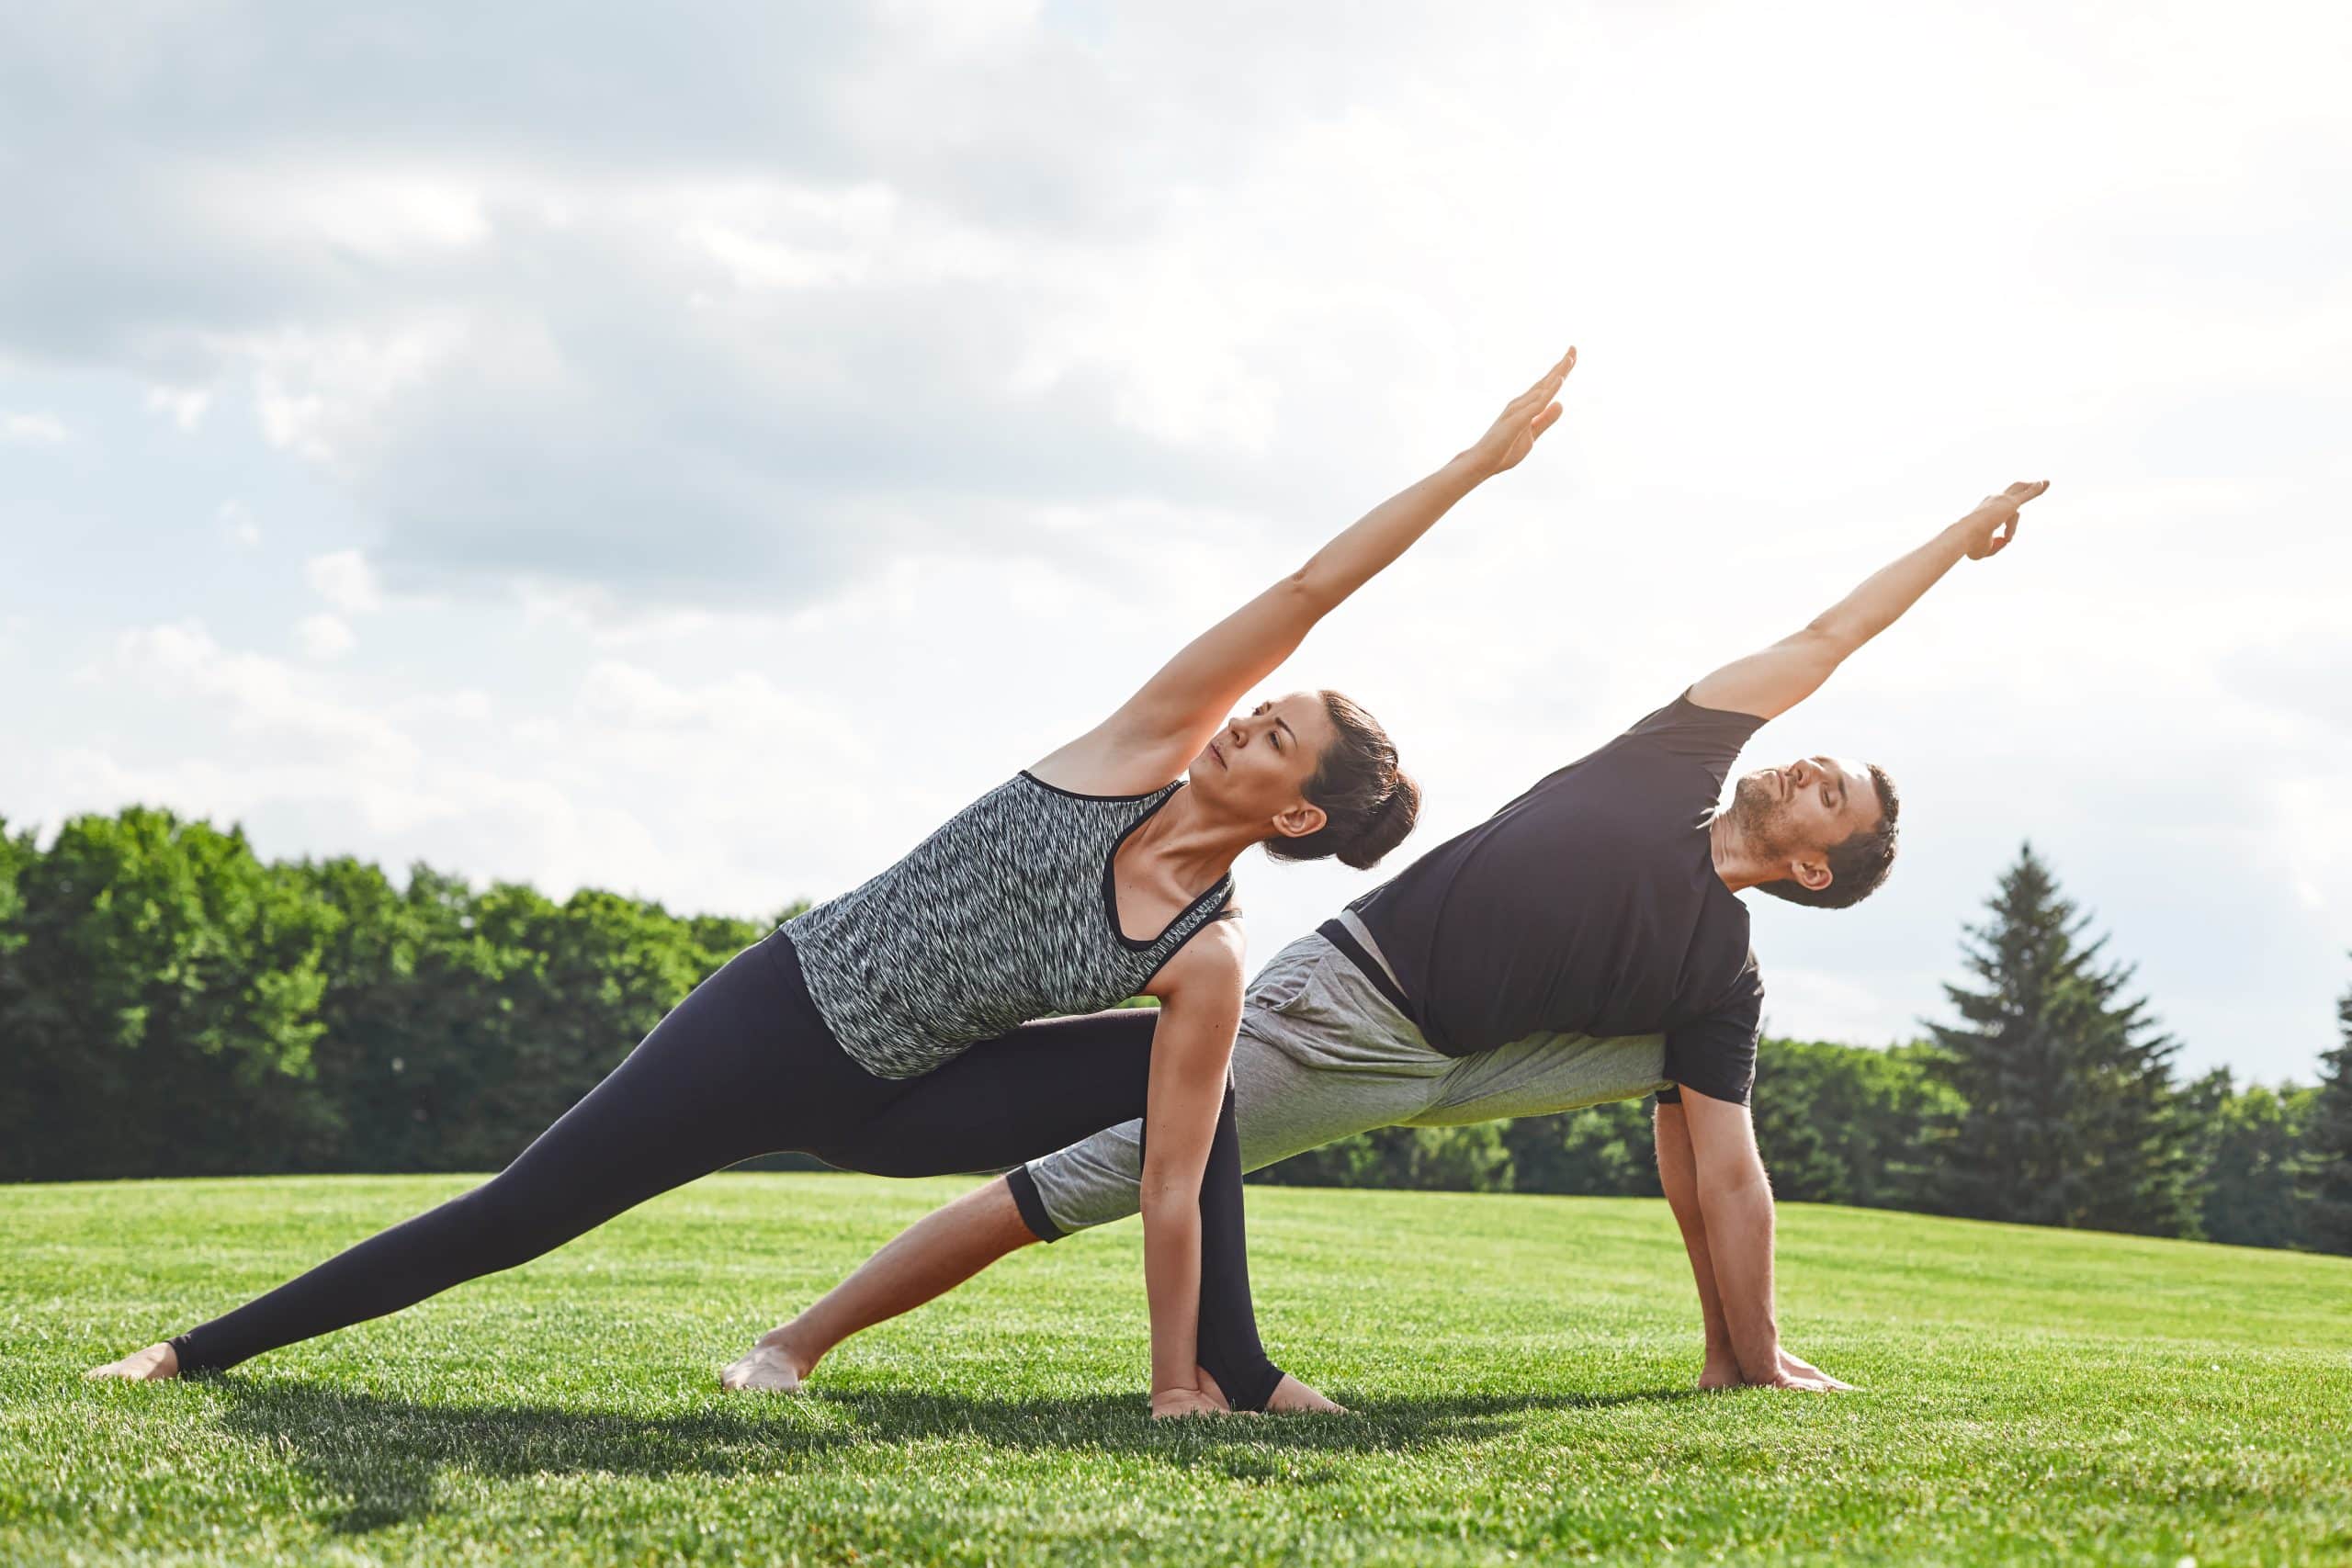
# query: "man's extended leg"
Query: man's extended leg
{"points": [[928, 1258]]}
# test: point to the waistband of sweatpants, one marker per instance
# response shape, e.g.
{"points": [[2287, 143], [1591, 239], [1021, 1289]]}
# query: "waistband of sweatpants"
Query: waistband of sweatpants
{"points": [[1340, 933]]}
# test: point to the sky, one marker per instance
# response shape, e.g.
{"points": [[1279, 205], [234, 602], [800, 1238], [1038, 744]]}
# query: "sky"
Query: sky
{"points": [[694, 452]]}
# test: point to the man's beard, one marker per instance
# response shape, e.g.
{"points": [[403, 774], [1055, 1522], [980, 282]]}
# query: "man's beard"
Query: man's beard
{"points": [[1761, 818]]}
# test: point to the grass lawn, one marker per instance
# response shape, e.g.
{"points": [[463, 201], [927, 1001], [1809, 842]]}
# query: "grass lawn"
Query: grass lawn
{"points": [[1519, 1366]]}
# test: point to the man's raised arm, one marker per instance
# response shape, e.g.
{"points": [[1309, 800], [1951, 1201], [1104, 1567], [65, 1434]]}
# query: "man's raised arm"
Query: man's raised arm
{"points": [[1770, 682]]}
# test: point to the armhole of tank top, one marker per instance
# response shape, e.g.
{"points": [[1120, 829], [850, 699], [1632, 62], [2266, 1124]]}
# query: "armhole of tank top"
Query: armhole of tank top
{"points": [[1111, 799], [1226, 883]]}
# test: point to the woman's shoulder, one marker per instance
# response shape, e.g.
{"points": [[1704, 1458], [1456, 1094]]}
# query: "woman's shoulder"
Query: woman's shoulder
{"points": [[1210, 964], [1105, 764]]}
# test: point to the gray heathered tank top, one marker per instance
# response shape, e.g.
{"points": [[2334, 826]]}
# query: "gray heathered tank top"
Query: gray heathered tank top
{"points": [[1007, 913]]}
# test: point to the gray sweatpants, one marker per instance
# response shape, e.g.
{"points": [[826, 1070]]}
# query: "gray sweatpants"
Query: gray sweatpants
{"points": [[1322, 1054]]}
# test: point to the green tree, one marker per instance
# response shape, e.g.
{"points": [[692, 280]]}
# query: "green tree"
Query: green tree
{"points": [[2253, 1142], [2069, 1114], [16, 852], [1470, 1158], [1847, 1124], [2327, 1160], [1606, 1150], [157, 966]]}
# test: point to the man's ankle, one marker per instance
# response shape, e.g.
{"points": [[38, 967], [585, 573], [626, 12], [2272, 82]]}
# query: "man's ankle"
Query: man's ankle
{"points": [[792, 1346]]}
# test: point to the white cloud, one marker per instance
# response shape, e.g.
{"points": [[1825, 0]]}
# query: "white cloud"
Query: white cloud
{"points": [[325, 637], [325, 394], [469, 706], [261, 695], [238, 520], [345, 579], [33, 429], [185, 406]]}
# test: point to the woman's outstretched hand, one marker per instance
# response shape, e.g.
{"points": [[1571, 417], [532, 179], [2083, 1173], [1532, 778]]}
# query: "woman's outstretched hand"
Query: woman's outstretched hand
{"points": [[1994, 524], [1525, 417]]}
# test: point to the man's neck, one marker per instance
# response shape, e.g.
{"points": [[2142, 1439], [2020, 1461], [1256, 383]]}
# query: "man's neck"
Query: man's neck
{"points": [[1736, 862]]}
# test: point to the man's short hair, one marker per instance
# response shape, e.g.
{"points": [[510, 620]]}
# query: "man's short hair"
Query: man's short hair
{"points": [[1858, 865]]}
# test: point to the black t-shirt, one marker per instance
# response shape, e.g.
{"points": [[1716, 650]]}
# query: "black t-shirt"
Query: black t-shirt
{"points": [[1590, 904]]}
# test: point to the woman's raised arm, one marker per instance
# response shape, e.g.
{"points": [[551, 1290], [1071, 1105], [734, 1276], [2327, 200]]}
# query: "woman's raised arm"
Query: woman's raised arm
{"points": [[1163, 726]]}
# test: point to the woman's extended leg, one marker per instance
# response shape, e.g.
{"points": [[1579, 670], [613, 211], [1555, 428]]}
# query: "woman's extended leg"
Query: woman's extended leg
{"points": [[1043, 1087], [713, 1084]]}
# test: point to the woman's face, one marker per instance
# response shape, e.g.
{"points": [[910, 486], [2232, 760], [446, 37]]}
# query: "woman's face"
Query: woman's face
{"points": [[1260, 763]]}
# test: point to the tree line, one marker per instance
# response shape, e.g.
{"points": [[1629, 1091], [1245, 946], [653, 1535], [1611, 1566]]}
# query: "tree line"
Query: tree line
{"points": [[172, 1005]]}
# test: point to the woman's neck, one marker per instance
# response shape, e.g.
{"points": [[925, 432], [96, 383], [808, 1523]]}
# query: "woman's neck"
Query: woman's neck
{"points": [[1195, 847]]}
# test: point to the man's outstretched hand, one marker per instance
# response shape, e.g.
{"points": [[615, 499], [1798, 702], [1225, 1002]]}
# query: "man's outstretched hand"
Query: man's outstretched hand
{"points": [[1994, 524], [1723, 1372]]}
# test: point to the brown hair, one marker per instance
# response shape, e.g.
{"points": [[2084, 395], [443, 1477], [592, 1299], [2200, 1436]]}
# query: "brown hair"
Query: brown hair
{"points": [[1369, 802], [1858, 864]]}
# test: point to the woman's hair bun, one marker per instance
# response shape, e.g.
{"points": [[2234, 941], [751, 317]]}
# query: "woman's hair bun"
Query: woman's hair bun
{"points": [[1370, 805]]}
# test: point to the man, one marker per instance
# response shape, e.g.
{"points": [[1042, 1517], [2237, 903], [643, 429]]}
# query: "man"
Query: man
{"points": [[1584, 943]]}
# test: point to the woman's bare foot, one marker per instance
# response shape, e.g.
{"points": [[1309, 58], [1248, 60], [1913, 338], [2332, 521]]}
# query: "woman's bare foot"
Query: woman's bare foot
{"points": [[152, 1365], [1290, 1396], [1179, 1404], [771, 1365], [1210, 1392]]}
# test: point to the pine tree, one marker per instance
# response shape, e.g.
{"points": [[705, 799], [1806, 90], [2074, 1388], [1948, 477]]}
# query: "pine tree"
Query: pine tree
{"points": [[2327, 1160], [2070, 1115]]}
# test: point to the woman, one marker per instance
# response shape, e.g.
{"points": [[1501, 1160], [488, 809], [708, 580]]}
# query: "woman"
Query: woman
{"points": [[1095, 875]]}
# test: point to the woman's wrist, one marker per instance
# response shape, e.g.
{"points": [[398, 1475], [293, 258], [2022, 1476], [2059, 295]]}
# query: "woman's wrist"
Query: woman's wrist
{"points": [[1467, 469]]}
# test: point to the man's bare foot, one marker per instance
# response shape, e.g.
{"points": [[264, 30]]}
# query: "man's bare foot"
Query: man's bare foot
{"points": [[152, 1365], [769, 1365]]}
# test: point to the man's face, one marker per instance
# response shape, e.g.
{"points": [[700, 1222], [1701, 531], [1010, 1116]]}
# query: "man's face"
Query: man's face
{"points": [[1804, 807]]}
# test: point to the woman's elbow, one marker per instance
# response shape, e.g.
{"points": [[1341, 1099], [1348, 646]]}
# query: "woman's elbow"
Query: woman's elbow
{"points": [[1169, 1198]]}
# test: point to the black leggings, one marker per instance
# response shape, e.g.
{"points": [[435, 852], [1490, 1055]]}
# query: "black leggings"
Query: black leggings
{"points": [[746, 1067]]}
